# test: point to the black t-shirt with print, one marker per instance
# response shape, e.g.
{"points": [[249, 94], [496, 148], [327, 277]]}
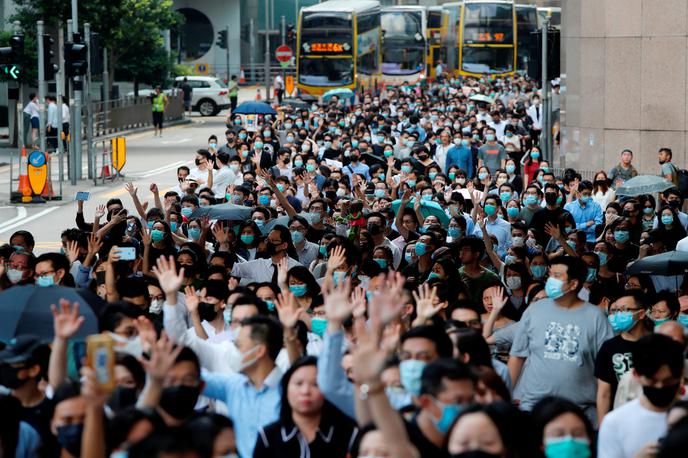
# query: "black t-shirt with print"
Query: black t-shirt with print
{"points": [[614, 360]]}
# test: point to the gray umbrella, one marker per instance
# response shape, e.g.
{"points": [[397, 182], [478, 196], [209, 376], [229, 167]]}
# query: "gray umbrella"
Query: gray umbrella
{"points": [[481, 98], [643, 184]]}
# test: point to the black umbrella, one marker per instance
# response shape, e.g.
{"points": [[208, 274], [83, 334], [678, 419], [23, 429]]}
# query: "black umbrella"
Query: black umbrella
{"points": [[669, 263], [371, 159], [26, 310]]}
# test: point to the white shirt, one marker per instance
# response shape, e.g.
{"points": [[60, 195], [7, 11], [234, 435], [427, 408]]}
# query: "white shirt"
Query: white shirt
{"points": [[258, 270], [629, 428], [532, 112], [221, 179], [52, 115], [441, 155], [31, 109], [200, 175], [65, 113], [499, 128], [682, 244]]}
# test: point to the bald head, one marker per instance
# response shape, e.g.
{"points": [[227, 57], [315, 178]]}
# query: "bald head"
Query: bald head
{"points": [[674, 330]]}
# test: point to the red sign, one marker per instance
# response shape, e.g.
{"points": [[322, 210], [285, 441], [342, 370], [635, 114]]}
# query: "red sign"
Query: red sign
{"points": [[284, 53]]}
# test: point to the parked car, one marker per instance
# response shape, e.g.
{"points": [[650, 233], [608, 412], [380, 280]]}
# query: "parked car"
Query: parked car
{"points": [[209, 94]]}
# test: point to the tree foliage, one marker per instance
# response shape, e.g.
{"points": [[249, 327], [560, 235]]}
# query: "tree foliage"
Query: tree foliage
{"points": [[130, 29]]}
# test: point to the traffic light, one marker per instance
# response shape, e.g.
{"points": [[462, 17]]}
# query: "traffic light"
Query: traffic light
{"points": [[49, 68], [291, 34], [12, 58], [76, 57], [222, 39]]}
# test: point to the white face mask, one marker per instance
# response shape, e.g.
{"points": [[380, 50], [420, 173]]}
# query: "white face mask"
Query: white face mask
{"points": [[236, 358], [341, 192], [513, 282], [129, 346], [156, 306], [15, 275], [517, 241]]}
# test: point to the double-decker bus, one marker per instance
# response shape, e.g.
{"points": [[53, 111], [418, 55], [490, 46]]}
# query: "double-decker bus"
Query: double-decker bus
{"points": [[526, 23], [436, 28], [339, 46], [486, 43], [404, 54]]}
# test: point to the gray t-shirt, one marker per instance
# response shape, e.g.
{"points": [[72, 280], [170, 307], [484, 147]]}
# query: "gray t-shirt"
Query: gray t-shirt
{"points": [[560, 346], [492, 156]]}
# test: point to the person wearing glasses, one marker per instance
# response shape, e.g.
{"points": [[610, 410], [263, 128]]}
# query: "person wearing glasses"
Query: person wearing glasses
{"points": [[629, 320]]}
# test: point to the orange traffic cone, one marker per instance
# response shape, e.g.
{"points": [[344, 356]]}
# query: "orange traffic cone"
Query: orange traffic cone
{"points": [[105, 170], [24, 186], [258, 95], [47, 192], [242, 76]]}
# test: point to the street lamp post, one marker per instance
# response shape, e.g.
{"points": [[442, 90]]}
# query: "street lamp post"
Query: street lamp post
{"points": [[267, 51]]}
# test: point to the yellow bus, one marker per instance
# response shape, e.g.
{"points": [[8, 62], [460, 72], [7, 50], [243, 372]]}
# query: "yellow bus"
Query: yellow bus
{"points": [[435, 30], [527, 21], [484, 36], [339, 46], [403, 44]]}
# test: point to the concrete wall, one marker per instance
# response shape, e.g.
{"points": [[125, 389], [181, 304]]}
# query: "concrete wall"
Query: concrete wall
{"points": [[625, 78]]}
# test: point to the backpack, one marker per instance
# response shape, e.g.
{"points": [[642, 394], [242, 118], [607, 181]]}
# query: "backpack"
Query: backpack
{"points": [[682, 182]]}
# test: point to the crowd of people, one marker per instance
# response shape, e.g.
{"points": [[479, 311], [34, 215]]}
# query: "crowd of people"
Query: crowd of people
{"points": [[398, 275]]}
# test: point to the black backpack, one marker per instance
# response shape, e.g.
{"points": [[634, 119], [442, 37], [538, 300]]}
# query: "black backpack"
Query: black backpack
{"points": [[683, 182]]}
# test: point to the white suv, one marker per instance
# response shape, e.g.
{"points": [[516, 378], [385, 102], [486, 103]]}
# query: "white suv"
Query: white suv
{"points": [[209, 95]]}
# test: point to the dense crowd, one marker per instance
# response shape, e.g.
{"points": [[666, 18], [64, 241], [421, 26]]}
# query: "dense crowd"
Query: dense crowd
{"points": [[392, 275]]}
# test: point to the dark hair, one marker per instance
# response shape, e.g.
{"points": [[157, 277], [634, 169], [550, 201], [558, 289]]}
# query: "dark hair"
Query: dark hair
{"points": [[302, 273], [217, 289], [132, 287], [134, 366], [285, 237], [452, 369], [551, 407], [205, 429], [666, 150], [114, 313], [473, 243], [655, 350], [11, 410], [576, 269], [436, 334], [471, 343], [491, 379], [265, 331], [119, 427], [187, 354], [514, 426], [67, 390]]}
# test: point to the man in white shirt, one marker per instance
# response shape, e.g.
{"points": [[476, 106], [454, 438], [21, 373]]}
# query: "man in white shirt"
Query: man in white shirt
{"points": [[51, 123], [65, 121], [442, 149], [497, 123], [224, 176], [31, 111], [534, 112], [639, 424], [278, 244]]}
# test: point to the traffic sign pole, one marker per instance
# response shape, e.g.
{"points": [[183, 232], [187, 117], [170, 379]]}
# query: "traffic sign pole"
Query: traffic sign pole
{"points": [[41, 88], [267, 51]]}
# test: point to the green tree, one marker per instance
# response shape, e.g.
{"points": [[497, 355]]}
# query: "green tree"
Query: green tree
{"points": [[131, 30]]}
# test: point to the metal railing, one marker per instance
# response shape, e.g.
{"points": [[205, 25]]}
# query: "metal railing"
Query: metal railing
{"points": [[129, 113], [255, 74]]}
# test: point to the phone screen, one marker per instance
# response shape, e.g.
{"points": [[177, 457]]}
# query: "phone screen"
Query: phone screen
{"points": [[127, 253], [82, 195]]}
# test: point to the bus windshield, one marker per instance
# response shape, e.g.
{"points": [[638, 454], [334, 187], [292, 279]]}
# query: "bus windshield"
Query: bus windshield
{"points": [[326, 28], [434, 19], [326, 71], [402, 25], [487, 60], [488, 23], [399, 60]]}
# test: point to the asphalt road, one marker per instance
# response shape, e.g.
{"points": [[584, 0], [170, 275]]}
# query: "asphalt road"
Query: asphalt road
{"points": [[149, 160]]}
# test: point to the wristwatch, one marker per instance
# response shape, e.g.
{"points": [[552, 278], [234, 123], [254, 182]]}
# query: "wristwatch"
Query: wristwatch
{"points": [[366, 390]]}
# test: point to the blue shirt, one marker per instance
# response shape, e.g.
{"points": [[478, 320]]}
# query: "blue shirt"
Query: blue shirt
{"points": [[462, 157], [249, 408], [581, 215], [360, 169], [500, 229]]}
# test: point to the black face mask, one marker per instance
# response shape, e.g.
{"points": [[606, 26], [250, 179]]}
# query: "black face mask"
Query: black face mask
{"points": [[675, 204], [661, 397], [100, 277], [122, 397], [189, 270], [207, 311], [271, 249], [69, 437], [198, 162], [374, 229], [551, 198], [179, 401], [9, 377], [422, 157], [626, 213], [355, 158]]}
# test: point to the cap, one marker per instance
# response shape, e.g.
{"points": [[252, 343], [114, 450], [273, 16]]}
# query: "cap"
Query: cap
{"points": [[20, 349]]}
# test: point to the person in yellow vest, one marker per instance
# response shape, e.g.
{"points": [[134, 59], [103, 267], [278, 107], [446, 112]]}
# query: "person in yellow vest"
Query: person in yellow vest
{"points": [[160, 102]]}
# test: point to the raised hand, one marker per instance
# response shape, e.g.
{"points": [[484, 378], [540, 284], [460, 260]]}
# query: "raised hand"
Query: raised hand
{"points": [[498, 299], [154, 188], [162, 358], [369, 357], [66, 319], [94, 244], [131, 189], [282, 270], [407, 196], [72, 251], [147, 333], [118, 217], [553, 231], [90, 389], [232, 284], [358, 302], [386, 307], [113, 255], [219, 233], [100, 211], [288, 310], [146, 237], [337, 305], [166, 271], [191, 299], [336, 259], [424, 303]]}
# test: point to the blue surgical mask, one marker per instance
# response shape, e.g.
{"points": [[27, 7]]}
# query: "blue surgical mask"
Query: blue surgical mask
{"points": [[490, 209], [298, 290], [454, 232], [683, 320], [512, 212], [482, 176], [381, 262], [433, 275], [296, 236], [408, 258], [603, 257], [584, 199], [667, 219], [432, 175], [621, 321], [271, 305], [339, 277], [539, 271], [530, 200], [405, 168], [247, 239], [323, 250], [621, 236], [449, 414], [264, 200], [157, 235], [194, 233], [227, 316], [410, 373], [421, 248], [379, 193], [660, 321], [553, 288], [45, 280], [411, 183], [567, 447], [505, 196], [186, 211], [318, 326]]}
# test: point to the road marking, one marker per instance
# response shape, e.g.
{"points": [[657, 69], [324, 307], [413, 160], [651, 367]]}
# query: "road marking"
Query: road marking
{"points": [[159, 170], [40, 214], [21, 213], [174, 142]]}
